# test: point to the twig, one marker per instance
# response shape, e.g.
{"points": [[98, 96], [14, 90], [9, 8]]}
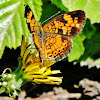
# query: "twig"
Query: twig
{"points": [[91, 88]]}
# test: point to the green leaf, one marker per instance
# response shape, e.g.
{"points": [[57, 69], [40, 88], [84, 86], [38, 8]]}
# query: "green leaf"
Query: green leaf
{"points": [[48, 11], [89, 29], [91, 7], [92, 46], [59, 4], [2, 89], [36, 7], [78, 48], [12, 24]]}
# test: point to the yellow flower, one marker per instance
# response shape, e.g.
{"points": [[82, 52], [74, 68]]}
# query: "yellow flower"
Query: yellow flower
{"points": [[35, 69]]}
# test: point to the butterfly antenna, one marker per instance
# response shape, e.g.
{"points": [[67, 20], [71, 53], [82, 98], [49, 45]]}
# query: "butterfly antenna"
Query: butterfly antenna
{"points": [[51, 17]]}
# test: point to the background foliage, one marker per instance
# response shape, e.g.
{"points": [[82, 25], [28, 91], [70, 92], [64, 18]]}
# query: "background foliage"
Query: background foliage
{"points": [[13, 25]]}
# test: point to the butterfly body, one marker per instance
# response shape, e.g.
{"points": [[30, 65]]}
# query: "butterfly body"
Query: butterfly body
{"points": [[53, 41]]}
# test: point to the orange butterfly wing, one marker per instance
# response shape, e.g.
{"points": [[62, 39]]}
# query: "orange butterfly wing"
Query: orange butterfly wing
{"points": [[55, 47], [69, 24], [57, 32], [33, 28], [53, 40]]}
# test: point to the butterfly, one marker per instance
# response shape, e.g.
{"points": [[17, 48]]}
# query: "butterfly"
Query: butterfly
{"points": [[53, 40]]}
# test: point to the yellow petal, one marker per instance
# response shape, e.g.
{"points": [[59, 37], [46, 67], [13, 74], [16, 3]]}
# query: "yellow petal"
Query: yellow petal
{"points": [[42, 80], [32, 66], [23, 46], [47, 63], [54, 83], [56, 78], [42, 70], [25, 56], [35, 76], [56, 71], [28, 59], [48, 72]]}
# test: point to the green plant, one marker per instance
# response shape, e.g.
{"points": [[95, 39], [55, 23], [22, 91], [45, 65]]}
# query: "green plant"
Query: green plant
{"points": [[13, 25]]}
